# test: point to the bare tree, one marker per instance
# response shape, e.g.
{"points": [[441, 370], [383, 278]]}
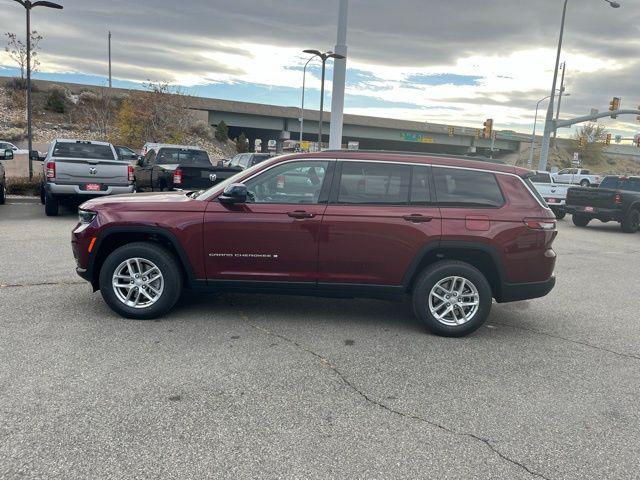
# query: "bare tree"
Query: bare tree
{"points": [[17, 50], [98, 110]]}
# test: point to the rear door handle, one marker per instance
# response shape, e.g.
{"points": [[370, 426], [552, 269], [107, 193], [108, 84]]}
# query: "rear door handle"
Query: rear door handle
{"points": [[417, 218], [301, 214]]}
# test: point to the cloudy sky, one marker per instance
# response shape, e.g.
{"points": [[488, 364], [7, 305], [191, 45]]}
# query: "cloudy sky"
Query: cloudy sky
{"points": [[439, 61]]}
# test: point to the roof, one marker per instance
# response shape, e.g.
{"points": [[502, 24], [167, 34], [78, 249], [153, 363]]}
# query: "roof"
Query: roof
{"points": [[77, 140], [171, 145]]}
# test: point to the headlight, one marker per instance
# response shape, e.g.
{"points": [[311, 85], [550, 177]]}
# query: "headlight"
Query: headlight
{"points": [[85, 217]]}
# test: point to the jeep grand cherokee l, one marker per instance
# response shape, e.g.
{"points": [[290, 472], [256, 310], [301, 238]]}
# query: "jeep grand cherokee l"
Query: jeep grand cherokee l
{"points": [[450, 232]]}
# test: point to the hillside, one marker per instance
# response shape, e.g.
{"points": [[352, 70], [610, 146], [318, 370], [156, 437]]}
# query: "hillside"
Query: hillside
{"points": [[73, 121]]}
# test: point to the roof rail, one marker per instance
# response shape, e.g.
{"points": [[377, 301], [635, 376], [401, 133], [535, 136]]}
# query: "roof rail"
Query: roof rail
{"points": [[479, 158]]}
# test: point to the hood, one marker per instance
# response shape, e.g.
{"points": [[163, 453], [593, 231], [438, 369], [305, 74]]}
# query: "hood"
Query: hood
{"points": [[157, 201]]}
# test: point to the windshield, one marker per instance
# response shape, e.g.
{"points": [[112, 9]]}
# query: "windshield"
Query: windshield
{"points": [[631, 184], [179, 156], [83, 150], [233, 179]]}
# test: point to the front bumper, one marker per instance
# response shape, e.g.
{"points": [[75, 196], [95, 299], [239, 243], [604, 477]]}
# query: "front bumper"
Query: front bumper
{"points": [[75, 191], [514, 292]]}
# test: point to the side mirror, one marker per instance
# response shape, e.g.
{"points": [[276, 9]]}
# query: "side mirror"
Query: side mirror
{"points": [[234, 194], [220, 163], [140, 161], [8, 154], [34, 155]]}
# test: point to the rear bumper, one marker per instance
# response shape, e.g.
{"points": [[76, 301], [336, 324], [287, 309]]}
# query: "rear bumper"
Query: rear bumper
{"points": [[75, 191], [514, 292], [599, 213]]}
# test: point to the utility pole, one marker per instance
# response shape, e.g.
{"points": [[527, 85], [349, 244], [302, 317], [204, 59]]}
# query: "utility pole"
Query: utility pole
{"points": [[109, 58], [339, 79], [564, 69]]}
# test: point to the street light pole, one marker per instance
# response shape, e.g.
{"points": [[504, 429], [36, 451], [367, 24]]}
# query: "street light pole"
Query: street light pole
{"points": [[324, 57], [339, 79], [109, 58], [560, 92], [304, 77], [548, 125], [533, 135], [28, 5]]}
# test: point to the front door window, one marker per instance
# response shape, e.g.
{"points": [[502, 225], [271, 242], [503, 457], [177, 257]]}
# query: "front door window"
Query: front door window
{"points": [[289, 183]]}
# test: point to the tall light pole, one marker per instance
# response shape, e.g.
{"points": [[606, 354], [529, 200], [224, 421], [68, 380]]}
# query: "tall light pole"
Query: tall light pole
{"points": [[535, 123], [324, 57], [560, 92], [339, 79], [304, 77], [109, 48], [548, 125], [28, 5]]}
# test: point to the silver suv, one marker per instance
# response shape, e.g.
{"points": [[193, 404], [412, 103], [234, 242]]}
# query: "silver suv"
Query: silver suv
{"points": [[83, 169]]}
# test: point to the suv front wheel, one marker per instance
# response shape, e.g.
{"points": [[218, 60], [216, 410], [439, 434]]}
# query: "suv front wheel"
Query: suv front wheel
{"points": [[452, 298], [140, 281]]}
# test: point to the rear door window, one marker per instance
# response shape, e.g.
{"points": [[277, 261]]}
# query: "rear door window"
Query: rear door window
{"points": [[372, 183], [467, 188], [420, 185]]}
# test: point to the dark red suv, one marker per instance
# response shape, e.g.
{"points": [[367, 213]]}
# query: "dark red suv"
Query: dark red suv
{"points": [[451, 232]]}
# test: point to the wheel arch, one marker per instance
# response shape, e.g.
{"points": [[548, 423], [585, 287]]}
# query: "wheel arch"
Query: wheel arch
{"points": [[112, 238], [483, 257]]}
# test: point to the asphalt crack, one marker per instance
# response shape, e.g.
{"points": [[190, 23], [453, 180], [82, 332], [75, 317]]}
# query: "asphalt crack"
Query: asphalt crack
{"points": [[325, 362], [570, 340], [40, 284]]}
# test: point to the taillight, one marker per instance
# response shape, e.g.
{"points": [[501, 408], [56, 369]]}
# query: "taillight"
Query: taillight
{"points": [[130, 170], [617, 199], [539, 224], [51, 170], [177, 176]]}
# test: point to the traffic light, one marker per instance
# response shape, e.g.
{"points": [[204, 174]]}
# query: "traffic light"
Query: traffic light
{"points": [[581, 142], [452, 131], [614, 105], [638, 141], [488, 128], [638, 117], [608, 140]]}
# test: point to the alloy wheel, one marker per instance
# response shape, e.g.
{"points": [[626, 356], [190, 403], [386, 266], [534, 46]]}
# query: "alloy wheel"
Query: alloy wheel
{"points": [[454, 301], [138, 283]]}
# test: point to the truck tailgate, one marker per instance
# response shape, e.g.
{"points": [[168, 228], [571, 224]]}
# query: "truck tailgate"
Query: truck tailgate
{"points": [[591, 197], [202, 177], [79, 171]]}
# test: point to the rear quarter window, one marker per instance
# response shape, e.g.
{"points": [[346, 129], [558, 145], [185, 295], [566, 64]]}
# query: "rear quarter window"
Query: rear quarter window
{"points": [[520, 193], [467, 188]]}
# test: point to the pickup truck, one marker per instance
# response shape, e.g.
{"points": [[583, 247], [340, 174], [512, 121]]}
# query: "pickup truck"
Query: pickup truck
{"points": [[74, 169], [554, 194], [617, 199], [7, 154], [168, 167], [577, 176]]}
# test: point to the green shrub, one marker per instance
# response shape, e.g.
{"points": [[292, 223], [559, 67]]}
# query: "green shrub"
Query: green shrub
{"points": [[242, 144], [222, 132], [55, 102], [13, 134], [24, 186]]}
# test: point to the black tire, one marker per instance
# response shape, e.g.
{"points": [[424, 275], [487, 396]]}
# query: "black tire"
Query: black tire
{"points": [[580, 220], [560, 214], [438, 272], [167, 265], [51, 205], [585, 183], [631, 223], [42, 200], [3, 193]]}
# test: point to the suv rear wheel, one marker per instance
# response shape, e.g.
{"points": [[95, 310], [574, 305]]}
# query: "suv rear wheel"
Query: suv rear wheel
{"points": [[140, 281], [631, 222], [452, 298]]}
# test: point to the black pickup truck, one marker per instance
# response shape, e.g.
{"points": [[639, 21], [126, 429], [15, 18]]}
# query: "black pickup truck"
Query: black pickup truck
{"points": [[176, 167], [616, 199]]}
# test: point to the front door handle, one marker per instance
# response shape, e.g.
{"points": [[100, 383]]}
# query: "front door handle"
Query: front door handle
{"points": [[301, 214], [416, 218]]}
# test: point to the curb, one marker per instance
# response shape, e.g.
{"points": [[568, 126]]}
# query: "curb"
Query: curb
{"points": [[18, 199]]}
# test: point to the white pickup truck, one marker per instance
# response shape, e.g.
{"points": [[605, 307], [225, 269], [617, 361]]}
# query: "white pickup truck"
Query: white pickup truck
{"points": [[577, 176], [553, 193]]}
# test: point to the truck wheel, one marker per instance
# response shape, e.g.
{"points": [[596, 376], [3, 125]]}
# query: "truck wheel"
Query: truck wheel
{"points": [[42, 193], [51, 205], [580, 220], [452, 298], [3, 193], [140, 281], [585, 183], [631, 222], [560, 214]]}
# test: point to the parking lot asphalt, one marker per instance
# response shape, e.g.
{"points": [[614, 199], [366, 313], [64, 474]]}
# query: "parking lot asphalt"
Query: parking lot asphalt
{"points": [[251, 386]]}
